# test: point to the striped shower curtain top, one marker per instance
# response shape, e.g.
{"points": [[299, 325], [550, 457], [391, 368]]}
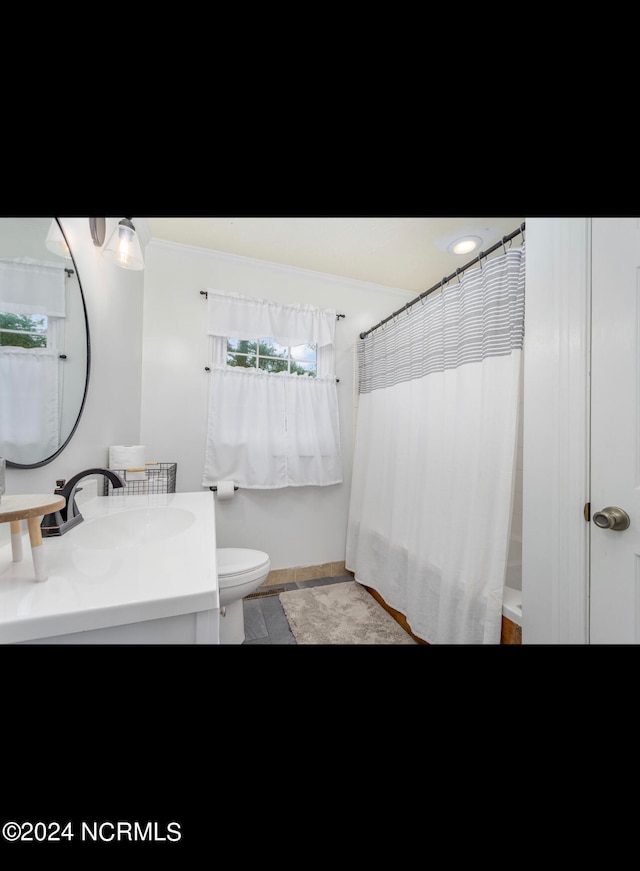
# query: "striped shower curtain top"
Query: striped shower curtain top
{"points": [[468, 321]]}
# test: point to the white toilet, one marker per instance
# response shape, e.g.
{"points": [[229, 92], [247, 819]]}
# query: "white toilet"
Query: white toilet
{"points": [[240, 572]]}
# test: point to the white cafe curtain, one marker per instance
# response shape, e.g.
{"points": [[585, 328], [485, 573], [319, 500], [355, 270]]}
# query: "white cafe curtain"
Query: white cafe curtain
{"points": [[29, 404], [269, 430]]}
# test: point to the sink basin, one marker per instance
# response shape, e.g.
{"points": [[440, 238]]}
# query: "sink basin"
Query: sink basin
{"points": [[131, 528], [139, 569]]}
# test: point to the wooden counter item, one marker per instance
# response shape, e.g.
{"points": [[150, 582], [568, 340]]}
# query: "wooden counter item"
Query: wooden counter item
{"points": [[32, 508]]}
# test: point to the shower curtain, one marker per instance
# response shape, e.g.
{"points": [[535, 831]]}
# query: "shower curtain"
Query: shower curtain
{"points": [[435, 454]]}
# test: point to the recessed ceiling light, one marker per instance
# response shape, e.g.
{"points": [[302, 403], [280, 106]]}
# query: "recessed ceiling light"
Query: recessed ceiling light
{"points": [[465, 245]]}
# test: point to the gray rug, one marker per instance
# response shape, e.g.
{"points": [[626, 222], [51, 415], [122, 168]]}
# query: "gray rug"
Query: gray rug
{"points": [[340, 614]]}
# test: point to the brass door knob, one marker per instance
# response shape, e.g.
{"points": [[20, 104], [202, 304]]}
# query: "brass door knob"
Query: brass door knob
{"points": [[612, 518]]}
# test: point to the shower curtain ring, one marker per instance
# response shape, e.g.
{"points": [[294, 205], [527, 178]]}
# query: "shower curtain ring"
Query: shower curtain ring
{"points": [[480, 256], [504, 239], [458, 273]]}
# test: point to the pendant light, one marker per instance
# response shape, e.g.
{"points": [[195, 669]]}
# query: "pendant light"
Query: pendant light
{"points": [[55, 241], [123, 246]]}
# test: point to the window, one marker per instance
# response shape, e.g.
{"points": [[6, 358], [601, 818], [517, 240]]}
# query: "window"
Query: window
{"points": [[268, 432], [23, 331], [267, 354]]}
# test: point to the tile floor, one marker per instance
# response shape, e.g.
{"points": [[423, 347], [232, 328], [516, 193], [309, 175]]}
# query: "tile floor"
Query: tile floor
{"points": [[264, 618]]}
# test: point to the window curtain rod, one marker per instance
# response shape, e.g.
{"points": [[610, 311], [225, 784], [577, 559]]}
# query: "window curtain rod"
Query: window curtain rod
{"points": [[206, 296], [448, 278]]}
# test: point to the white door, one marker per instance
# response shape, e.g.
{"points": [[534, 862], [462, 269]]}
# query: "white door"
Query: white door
{"points": [[615, 431]]}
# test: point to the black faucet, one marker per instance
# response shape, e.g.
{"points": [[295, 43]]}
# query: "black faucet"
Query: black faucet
{"points": [[66, 518]]}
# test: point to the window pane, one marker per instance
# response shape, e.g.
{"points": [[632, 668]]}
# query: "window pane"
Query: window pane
{"points": [[241, 360], [271, 356], [303, 368], [245, 346], [24, 323], [272, 364], [270, 348], [23, 331], [22, 340], [38, 323], [304, 352]]}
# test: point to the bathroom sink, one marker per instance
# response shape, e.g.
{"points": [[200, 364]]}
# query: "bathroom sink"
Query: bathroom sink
{"points": [[139, 569], [133, 527]]}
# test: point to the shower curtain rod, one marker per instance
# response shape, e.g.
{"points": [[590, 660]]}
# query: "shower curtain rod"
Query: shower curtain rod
{"points": [[447, 278]]}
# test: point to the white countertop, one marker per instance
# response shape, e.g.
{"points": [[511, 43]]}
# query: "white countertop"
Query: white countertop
{"points": [[152, 575]]}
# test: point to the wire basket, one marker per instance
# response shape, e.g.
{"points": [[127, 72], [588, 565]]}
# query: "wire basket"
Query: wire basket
{"points": [[157, 478]]}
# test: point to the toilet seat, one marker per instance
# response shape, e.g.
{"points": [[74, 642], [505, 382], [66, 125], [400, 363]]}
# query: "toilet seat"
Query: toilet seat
{"points": [[238, 565]]}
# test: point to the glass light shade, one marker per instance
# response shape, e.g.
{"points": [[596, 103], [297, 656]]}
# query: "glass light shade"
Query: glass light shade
{"points": [[123, 246], [56, 242]]}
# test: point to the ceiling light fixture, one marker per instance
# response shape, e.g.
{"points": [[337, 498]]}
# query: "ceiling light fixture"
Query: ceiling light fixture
{"points": [[124, 246], [464, 245], [55, 241]]}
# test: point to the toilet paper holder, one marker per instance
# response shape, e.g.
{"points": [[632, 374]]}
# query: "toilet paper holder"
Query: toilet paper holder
{"points": [[214, 488]]}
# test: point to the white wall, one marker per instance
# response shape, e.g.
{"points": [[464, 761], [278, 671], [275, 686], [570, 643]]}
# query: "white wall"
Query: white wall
{"points": [[114, 298], [296, 526]]}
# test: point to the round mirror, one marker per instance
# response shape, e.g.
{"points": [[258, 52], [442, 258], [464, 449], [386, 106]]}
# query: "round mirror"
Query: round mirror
{"points": [[44, 342]]}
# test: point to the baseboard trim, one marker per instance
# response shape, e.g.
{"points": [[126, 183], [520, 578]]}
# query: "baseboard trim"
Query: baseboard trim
{"points": [[305, 573]]}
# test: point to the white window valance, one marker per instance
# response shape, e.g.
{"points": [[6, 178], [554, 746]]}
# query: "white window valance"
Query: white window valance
{"points": [[243, 317], [32, 287]]}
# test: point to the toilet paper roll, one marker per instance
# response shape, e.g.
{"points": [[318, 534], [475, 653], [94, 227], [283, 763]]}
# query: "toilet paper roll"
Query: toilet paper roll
{"points": [[225, 490], [126, 456]]}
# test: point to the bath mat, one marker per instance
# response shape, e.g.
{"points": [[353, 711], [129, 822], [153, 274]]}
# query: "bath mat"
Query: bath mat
{"points": [[340, 614]]}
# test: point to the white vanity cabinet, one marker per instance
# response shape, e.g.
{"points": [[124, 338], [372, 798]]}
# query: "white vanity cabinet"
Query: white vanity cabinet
{"points": [[198, 627], [137, 570]]}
